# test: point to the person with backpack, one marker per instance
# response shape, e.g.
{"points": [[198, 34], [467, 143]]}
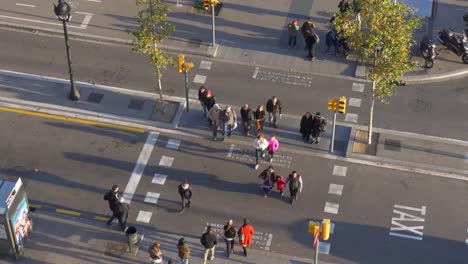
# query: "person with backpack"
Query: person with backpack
{"points": [[229, 121], [201, 98], [246, 117], [112, 197], [295, 185], [246, 233], [185, 193], [259, 116], [293, 29], [208, 240], [261, 145], [229, 236], [307, 122], [310, 37], [318, 127], [273, 107], [273, 146]]}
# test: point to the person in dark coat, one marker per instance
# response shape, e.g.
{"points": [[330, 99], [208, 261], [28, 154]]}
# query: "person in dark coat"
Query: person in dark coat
{"points": [[209, 101], [208, 240], [246, 116], [310, 37], [185, 193], [344, 6], [121, 213], [201, 98], [112, 197], [259, 116], [229, 236], [306, 126], [318, 127], [273, 107], [295, 185]]}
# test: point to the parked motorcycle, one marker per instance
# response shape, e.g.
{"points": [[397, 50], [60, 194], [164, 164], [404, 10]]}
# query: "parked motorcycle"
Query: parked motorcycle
{"points": [[428, 52], [456, 42]]}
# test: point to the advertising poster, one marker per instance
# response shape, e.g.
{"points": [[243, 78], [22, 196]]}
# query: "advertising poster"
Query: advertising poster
{"points": [[3, 234], [20, 222]]}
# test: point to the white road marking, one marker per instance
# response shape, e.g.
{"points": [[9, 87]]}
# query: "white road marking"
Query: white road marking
{"points": [[268, 243], [350, 117], [86, 21], [152, 197], [231, 149], [336, 189], [41, 22], [206, 65], [422, 210], [144, 216], [20, 4], [407, 218], [199, 79], [331, 208], [159, 178], [358, 87], [356, 102], [173, 144], [324, 247], [255, 72], [340, 170], [96, 1], [262, 240], [405, 236], [84, 13], [140, 166], [166, 161]]}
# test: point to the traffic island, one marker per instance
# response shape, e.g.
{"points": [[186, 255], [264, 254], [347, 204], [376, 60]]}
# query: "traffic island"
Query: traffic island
{"points": [[360, 144]]}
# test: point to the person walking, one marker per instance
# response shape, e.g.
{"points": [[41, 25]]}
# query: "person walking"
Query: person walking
{"points": [[310, 37], [280, 183], [273, 146], [307, 122], [183, 251], [259, 116], [246, 233], [229, 235], [318, 127], [112, 197], [269, 177], [155, 254], [185, 193], [293, 29], [121, 213], [273, 107], [209, 101], [201, 98], [208, 240], [246, 116], [343, 6], [229, 119], [295, 185], [261, 145], [215, 120]]}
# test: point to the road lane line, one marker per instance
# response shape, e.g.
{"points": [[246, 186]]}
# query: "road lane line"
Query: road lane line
{"points": [[358, 87], [38, 21], [144, 216], [350, 117], [84, 13], [356, 102], [173, 144], [336, 189], [67, 212], [166, 161], [206, 65], [159, 179], [140, 166], [101, 218], [85, 22], [96, 1], [70, 119], [199, 79], [254, 76], [331, 208], [340, 170], [152, 197], [20, 4]]}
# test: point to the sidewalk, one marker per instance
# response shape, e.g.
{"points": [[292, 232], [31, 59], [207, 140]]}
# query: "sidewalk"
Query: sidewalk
{"points": [[393, 149], [78, 240], [249, 32]]}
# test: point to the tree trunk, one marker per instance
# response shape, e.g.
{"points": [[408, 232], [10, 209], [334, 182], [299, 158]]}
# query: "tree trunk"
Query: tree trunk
{"points": [[161, 99], [371, 115]]}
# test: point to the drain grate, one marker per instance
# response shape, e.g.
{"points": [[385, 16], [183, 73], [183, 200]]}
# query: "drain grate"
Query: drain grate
{"points": [[392, 144], [95, 98], [136, 104]]}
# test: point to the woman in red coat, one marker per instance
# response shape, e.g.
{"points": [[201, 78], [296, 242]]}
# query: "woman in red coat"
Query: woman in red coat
{"points": [[246, 233]]}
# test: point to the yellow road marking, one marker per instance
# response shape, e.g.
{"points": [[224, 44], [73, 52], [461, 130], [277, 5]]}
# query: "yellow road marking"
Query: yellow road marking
{"points": [[101, 218], [68, 212], [35, 206], [71, 119]]}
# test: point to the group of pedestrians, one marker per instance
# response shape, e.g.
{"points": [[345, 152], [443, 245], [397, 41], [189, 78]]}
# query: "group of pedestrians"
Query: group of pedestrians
{"points": [[117, 206], [270, 179], [312, 126], [309, 33]]}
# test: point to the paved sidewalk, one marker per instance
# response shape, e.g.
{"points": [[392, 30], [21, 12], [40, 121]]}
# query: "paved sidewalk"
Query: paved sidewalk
{"points": [[395, 149], [79, 240]]}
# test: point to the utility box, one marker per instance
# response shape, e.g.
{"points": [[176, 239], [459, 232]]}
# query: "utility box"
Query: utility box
{"points": [[15, 221]]}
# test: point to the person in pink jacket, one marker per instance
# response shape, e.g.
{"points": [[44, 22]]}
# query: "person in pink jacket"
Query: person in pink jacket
{"points": [[273, 146]]}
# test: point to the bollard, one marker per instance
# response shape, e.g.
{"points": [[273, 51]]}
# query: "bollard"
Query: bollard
{"points": [[132, 237]]}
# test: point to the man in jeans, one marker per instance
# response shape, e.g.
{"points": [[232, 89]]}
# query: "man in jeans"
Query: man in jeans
{"points": [[273, 107], [208, 240]]}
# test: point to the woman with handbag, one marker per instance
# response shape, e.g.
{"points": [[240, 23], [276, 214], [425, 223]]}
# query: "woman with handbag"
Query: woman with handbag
{"points": [[246, 233], [259, 116], [229, 235]]}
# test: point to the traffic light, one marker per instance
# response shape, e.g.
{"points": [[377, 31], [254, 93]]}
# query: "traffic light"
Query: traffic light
{"points": [[342, 105], [314, 227], [180, 62], [206, 3], [326, 225], [332, 104], [188, 66], [214, 2]]}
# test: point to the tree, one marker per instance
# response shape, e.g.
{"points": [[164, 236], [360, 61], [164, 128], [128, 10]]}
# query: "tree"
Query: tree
{"points": [[153, 29], [382, 30]]}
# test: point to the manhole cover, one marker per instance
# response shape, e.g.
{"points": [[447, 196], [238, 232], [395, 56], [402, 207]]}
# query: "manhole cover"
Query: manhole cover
{"points": [[95, 98], [392, 144], [136, 104]]}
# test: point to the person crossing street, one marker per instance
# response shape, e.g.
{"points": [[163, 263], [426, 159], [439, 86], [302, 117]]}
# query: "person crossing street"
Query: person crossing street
{"points": [[185, 193], [112, 197], [273, 107]]}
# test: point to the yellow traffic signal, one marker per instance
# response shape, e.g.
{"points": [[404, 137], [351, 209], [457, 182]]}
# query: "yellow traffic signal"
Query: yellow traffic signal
{"points": [[342, 105], [214, 2], [332, 104], [314, 227], [326, 225], [206, 3], [180, 62], [188, 66]]}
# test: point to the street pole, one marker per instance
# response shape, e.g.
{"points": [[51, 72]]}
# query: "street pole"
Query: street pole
{"points": [[316, 251], [74, 93], [332, 143], [186, 90], [213, 24]]}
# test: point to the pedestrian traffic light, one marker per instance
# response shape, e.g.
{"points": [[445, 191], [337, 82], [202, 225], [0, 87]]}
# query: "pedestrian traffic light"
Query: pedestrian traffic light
{"points": [[332, 104], [180, 62], [206, 3], [314, 227], [188, 66], [342, 105], [326, 225]]}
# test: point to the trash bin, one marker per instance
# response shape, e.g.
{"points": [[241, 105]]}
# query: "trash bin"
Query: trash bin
{"points": [[132, 235]]}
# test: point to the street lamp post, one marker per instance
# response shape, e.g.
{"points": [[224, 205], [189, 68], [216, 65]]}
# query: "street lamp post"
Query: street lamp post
{"points": [[62, 10]]}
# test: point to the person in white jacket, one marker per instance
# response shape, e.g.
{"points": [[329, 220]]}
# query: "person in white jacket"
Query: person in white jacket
{"points": [[261, 144]]}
